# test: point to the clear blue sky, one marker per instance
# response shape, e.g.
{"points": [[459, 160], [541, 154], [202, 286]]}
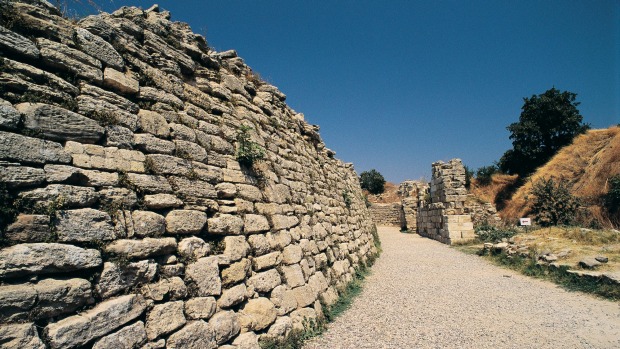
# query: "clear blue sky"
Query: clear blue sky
{"points": [[397, 85]]}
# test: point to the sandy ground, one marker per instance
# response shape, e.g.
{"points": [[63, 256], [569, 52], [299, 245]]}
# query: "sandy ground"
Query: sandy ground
{"points": [[423, 294]]}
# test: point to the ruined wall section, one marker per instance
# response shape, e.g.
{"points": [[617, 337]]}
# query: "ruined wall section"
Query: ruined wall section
{"points": [[412, 195], [390, 215], [445, 218], [125, 215]]}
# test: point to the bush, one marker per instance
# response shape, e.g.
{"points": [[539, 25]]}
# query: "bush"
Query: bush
{"points": [[612, 198], [485, 173], [372, 181], [248, 151], [553, 203], [468, 174], [490, 233]]}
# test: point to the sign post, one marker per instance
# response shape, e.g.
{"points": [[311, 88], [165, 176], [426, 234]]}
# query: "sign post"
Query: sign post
{"points": [[525, 222]]}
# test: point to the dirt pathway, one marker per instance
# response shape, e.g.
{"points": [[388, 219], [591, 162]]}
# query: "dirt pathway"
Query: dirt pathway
{"points": [[422, 294]]}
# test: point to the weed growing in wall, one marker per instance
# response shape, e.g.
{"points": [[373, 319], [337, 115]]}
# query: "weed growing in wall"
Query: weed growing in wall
{"points": [[346, 196], [248, 151]]}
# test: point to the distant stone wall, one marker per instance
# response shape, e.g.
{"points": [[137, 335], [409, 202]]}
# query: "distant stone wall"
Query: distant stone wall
{"points": [[126, 218], [445, 219], [390, 215], [482, 212], [412, 194]]}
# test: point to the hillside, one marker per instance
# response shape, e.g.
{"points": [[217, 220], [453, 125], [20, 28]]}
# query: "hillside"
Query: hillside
{"points": [[586, 164], [389, 195]]}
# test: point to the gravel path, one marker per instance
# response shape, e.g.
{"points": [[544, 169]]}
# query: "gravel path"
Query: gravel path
{"points": [[423, 294]]}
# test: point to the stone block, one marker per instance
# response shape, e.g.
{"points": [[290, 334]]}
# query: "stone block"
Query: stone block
{"points": [[185, 222], [164, 319], [84, 225], [204, 275], [43, 258], [116, 278], [31, 150], [137, 249]]}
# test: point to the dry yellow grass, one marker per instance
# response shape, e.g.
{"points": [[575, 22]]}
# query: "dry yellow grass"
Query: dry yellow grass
{"points": [[577, 243], [587, 164], [389, 195]]}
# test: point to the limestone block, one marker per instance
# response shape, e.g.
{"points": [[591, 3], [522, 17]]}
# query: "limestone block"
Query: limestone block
{"points": [[172, 288], [9, 117], [182, 132], [266, 261], [304, 295], [232, 296], [293, 275], [110, 98], [169, 165], [236, 247], [204, 274], [248, 340], [291, 254], [301, 316], [193, 248], [281, 327], [162, 201], [107, 316], [225, 224], [61, 195], [200, 307], [236, 272], [195, 335], [27, 149], [191, 151], [254, 223], [29, 228], [280, 239], [62, 57], [148, 224], [84, 225], [259, 244], [106, 111], [185, 222], [261, 313], [116, 278], [21, 176], [194, 191], [153, 123], [118, 136], [128, 337], [164, 319], [20, 336], [265, 281], [156, 95], [249, 192], [17, 44], [148, 247], [149, 183], [96, 47], [42, 258]]}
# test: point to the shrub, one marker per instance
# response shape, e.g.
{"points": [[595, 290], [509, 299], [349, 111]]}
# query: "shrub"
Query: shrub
{"points": [[372, 181], [468, 174], [612, 198], [248, 151], [485, 173], [553, 202], [490, 233]]}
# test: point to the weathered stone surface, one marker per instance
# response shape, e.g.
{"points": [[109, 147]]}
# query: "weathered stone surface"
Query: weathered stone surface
{"points": [[98, 48], [225, 325], [255, 224], [281, 327], [168, 165], [16, 301], [248, 340], [196, 192], [200, 307], [31, 150], [304, 295], [149, 183], [151, 144], [62, 57], [232, 296], [191, 151], [193, 248], [265, 281], [79, 329], [21, 176], [61, 196], [128, 337], [9, 117], [56, 297], [159, 96], [20, 336], [148, 224], [185, 222], [291, 254], [261, 312], [106, 158], [84, 225], [107, 110], [204, 274], [266, 261], [236, 247], [144, 248], [118, 136], [293, 276], [29, 228], [280, 222], [120, 82], [195, 335], [164, 318], [161, 201], [301, 316], [40, 258], [589, 263], [260, 244], [236, 272], [225, 224], [116, 278], [17, 44], [153, 123], [110, 99], [172, 288]]}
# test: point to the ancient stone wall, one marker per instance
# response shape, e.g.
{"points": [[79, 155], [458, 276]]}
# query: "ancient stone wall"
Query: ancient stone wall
{"points": [[390, 215], [444, 218], [412, 194], [126, 217]]}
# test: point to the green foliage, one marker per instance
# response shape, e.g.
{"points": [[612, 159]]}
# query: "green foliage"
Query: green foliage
{"points": [[548, 122], [469, 173], [485, 173], [347, 295], [612, 198], [375, 237], [490, 233], [295, 339], [553, 203], [372, 181], [346, 196], [8, 211], [248, 151]]}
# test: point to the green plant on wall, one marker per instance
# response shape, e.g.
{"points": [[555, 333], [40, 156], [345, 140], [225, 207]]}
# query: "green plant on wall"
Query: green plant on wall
{"points": [[248, 151]]}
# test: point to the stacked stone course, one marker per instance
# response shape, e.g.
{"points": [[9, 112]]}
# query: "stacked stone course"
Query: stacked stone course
{"points": [[387, 214], [445, 218], [127, 220]]}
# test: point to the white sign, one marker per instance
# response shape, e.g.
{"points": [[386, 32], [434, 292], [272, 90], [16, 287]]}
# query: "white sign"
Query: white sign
{"points": [[525, 221]]}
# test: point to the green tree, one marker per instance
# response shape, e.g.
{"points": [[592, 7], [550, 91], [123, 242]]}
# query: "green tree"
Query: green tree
{"points": [[372, 181], [469, 173], [553, 202], [485, 173], [548, 122]]}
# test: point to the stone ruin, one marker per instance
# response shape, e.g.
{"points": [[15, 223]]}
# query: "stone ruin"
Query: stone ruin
{"points": [[412, 194], [125, 214], [444, 217]]}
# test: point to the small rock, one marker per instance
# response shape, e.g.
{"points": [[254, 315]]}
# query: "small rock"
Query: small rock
{"points": [[589, 263], [602, 259]]}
